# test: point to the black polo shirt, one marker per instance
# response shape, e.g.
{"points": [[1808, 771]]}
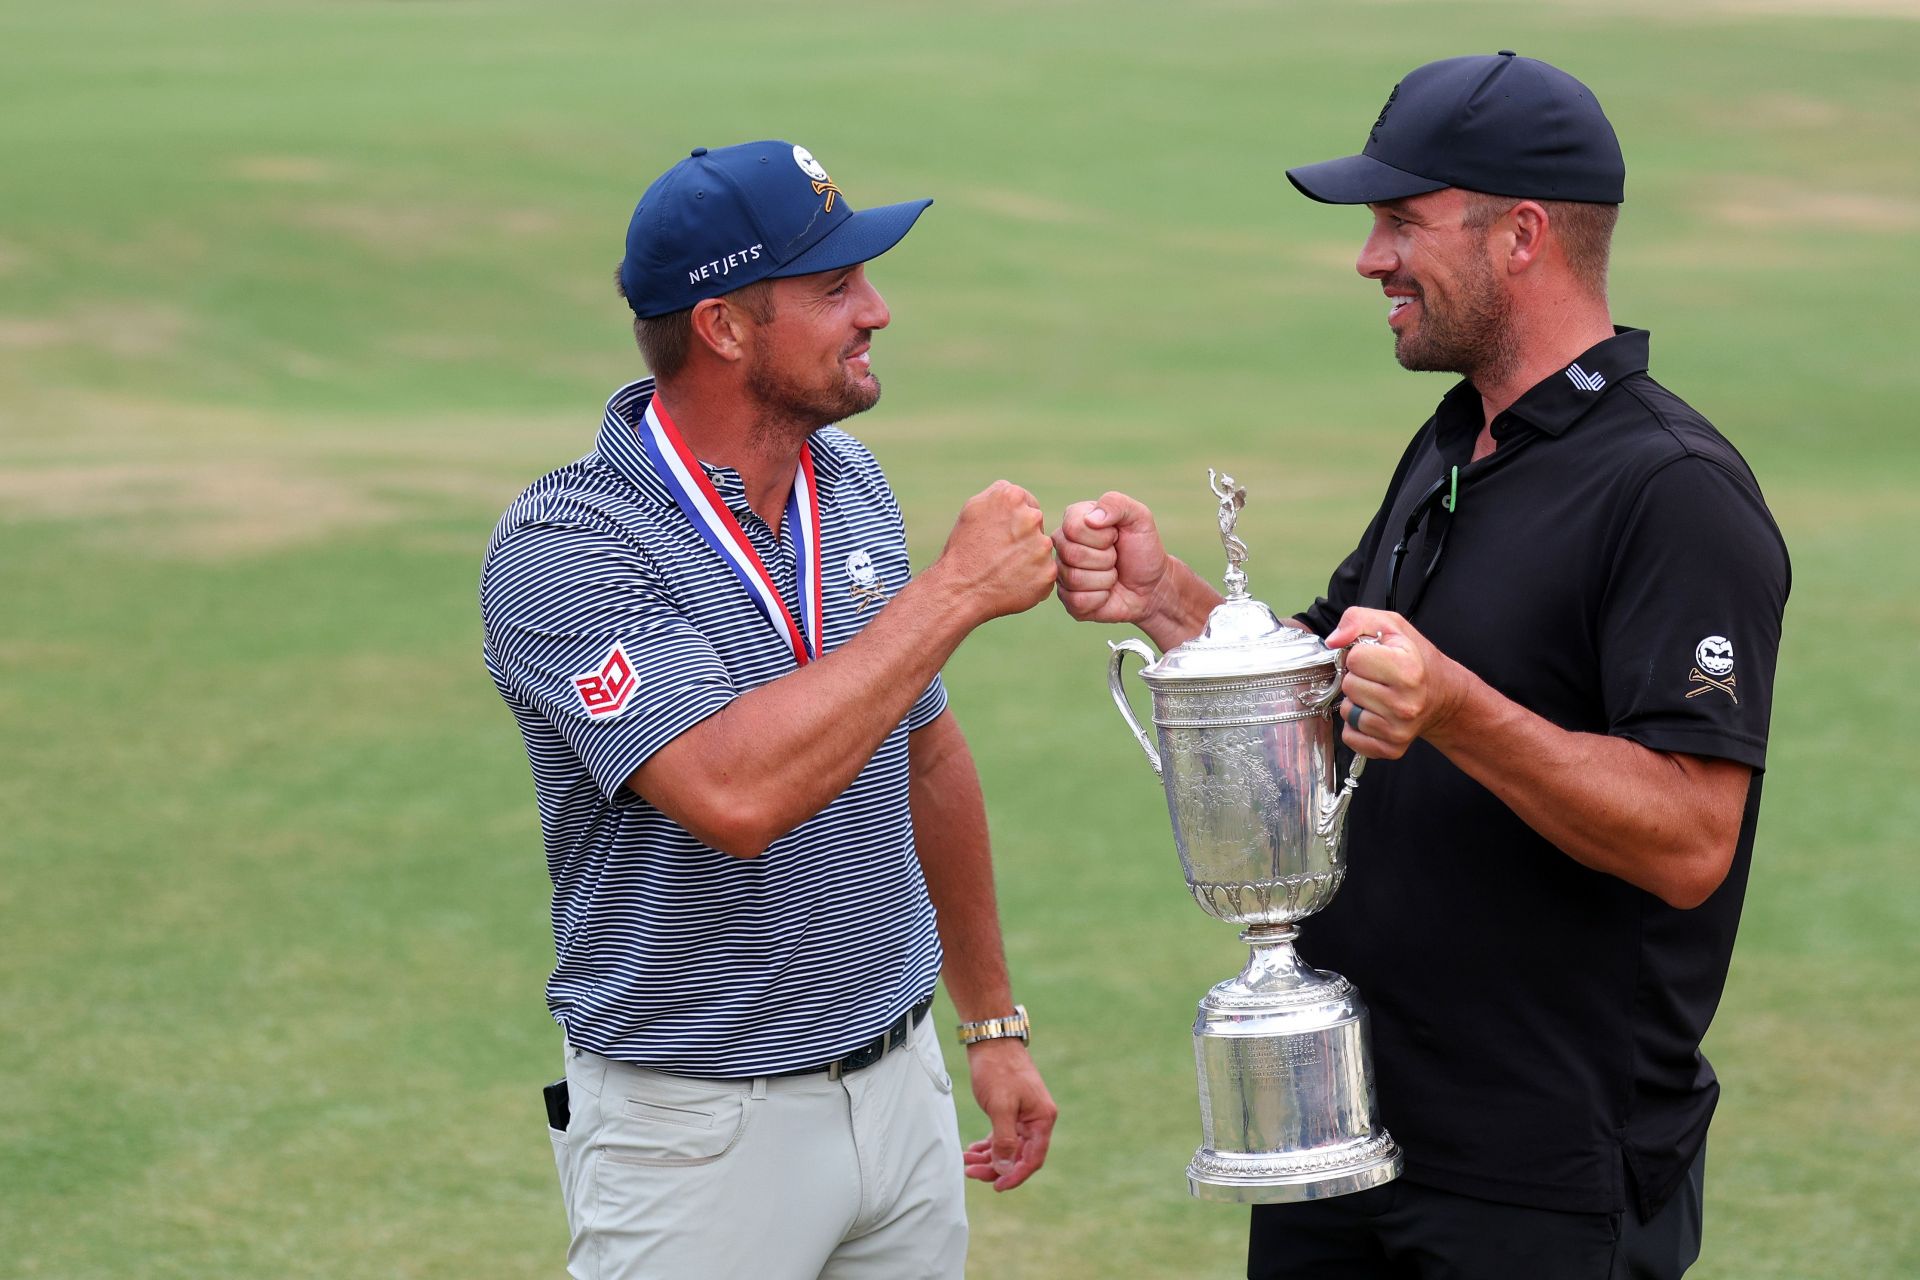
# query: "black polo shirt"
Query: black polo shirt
{"points": [[1612, 567]]}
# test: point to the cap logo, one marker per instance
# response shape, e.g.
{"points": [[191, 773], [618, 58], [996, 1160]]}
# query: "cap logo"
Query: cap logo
{"points": [[822, 184], [723, 266], [1373, 134], [1713, 667]]}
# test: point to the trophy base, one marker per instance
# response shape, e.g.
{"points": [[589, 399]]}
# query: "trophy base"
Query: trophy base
{"points": [[1235, 1178], [1286, 1084]]}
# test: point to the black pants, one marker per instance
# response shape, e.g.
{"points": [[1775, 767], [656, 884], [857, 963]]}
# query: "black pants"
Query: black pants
{"points": [[1404, 1231]]}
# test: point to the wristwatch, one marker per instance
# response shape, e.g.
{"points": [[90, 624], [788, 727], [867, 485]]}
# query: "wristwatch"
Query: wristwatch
{"points": [[1012, 1026]]}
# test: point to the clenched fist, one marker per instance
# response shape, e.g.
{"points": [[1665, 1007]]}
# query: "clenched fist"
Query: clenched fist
{"points": [[998, 559], [1113, 568], [1111, 560]]}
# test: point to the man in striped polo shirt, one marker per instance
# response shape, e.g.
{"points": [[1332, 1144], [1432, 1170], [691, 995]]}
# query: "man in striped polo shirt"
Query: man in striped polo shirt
{"points": [[763, 826]]}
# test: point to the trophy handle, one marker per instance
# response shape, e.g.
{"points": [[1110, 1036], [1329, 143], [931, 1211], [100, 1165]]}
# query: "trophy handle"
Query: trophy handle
{"points": [[1333, 810], [1332, 695], [1121, 648]]}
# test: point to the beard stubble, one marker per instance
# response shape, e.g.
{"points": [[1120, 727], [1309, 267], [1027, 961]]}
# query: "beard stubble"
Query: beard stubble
{"points": [[785, 407], [1471, 335]]}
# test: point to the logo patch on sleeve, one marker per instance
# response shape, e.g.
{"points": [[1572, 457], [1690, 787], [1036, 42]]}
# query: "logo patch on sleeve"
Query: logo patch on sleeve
{"points": [[605, 692], [1713, 667]]}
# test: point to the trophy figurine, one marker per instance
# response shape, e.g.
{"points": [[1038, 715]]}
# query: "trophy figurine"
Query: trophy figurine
{"points": [[1245, 722]]}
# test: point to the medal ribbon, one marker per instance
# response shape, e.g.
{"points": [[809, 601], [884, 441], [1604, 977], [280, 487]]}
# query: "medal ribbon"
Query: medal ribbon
{"points": [[687, 481]]}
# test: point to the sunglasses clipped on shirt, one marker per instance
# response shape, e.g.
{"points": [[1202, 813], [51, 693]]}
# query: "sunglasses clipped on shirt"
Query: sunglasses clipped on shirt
{"points": [[1436, 507]]}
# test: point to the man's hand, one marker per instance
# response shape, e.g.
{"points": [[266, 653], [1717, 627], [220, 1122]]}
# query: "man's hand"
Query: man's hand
{"points": [[997, 560], [1008, 1088], [1112, 563], [1113, 568], [1397, 690]]}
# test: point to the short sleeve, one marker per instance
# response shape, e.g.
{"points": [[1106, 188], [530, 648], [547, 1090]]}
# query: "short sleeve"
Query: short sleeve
{"points": [[580, 627], [1690, 624], [928, 706]]}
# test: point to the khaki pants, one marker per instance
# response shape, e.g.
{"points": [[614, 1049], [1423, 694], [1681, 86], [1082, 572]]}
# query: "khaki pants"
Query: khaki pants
{"points": [[782, 1178]]}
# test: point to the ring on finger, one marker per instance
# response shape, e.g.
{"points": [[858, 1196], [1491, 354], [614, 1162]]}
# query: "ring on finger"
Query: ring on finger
{"points": [[1353, 718]]}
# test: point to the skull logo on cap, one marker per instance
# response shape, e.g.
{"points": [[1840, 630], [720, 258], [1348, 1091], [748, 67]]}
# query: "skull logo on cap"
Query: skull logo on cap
{"points": [[808, 165], [822, 184]]}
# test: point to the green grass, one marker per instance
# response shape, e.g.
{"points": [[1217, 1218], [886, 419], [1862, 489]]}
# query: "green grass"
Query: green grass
{"points": [[294, 298]]}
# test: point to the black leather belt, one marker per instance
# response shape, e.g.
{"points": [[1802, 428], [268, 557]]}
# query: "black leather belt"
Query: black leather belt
{"points": [[873, 1050]]}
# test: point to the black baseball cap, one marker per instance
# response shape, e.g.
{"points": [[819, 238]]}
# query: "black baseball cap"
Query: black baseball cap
{"points": [[726, 218], [1498, 123]]}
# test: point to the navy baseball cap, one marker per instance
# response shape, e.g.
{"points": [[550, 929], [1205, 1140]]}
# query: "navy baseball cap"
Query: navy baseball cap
{"points": [[1498, 123], [721, 220]]}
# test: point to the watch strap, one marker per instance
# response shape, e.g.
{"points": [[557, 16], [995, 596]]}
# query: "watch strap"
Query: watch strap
{"points": [[1012, 1026]]}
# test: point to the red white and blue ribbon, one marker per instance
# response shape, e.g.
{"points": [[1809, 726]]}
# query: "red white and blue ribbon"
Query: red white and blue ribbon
{"points": [[687, 481]]}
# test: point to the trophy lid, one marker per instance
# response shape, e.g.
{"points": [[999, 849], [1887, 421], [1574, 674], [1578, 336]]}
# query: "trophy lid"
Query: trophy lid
{"points": [[1243, 637]]}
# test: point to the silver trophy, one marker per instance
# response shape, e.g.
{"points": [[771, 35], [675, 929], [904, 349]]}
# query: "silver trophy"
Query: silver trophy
{"points": [[1245, 717]]}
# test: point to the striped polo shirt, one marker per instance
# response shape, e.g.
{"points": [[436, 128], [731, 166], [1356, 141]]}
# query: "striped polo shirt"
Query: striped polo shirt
{"points": [[611, 626]]}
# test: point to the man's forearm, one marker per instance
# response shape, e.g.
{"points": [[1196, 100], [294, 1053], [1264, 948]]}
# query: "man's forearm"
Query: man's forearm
{"points": [[1180, 606], [1664, 822], [774, 757]]}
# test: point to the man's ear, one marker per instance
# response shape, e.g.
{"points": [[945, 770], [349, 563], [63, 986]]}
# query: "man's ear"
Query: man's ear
{"points": [[1528, 239], [721, 328]]}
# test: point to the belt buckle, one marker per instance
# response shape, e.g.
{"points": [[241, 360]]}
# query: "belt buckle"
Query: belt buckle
{"points": [[867, 1054], [859, 1059], [877, 1048]]}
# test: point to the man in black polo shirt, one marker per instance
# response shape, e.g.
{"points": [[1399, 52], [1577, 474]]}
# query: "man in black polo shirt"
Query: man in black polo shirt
{"points": [[1578, 591]]}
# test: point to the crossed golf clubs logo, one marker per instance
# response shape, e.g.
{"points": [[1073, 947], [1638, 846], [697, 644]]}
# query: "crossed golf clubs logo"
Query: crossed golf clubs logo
{"points": [[863, 582], [1713, 667]]}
